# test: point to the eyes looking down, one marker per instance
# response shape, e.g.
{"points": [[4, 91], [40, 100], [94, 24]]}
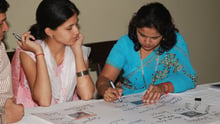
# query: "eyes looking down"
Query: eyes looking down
{"points": [[149, 38], [68, 32]]}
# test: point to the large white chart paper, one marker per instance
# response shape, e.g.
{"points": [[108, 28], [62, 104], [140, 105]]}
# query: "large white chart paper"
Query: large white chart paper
{"points": [[171, 109]]}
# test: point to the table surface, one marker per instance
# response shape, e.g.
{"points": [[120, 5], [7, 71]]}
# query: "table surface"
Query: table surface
{"points": [[171, 109]]}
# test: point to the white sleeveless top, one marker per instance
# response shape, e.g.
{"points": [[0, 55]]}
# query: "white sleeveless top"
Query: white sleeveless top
{"points": [[62, 77]]}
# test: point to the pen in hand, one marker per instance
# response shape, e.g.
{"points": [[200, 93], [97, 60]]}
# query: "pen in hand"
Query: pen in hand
{"points": [[113, 86]]}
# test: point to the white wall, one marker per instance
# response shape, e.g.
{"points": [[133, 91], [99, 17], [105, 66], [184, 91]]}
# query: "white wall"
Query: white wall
{"points": [[102, 20]]}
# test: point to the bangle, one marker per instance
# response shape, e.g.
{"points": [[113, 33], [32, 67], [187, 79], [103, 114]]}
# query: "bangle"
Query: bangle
{"points": [[168, 88], [39, 54], [82, 73]]}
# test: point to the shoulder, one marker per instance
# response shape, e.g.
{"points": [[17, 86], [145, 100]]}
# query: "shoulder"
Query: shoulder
{"points": [[86, 50], [125, 39], [181, 45], [125, 42], [180, 40]]}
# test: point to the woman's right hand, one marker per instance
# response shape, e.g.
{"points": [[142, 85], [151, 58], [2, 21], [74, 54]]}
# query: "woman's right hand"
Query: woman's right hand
{"points": [[28, 45], [112, 94]]}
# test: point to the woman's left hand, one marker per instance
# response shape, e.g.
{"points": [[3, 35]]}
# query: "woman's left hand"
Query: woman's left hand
{"points": [[78, 43], [153, 94]]}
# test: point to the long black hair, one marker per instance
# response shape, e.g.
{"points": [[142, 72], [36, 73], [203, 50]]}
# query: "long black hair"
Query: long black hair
{"points": [[51, 14], [154, 15]]}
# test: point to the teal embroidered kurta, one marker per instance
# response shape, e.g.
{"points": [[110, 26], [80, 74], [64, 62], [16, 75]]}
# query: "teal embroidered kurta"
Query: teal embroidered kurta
{"points": [[172, 66]]}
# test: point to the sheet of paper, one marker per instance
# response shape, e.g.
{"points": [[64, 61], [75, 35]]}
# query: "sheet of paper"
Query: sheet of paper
{"points": [[208, 95], [170, 109]]}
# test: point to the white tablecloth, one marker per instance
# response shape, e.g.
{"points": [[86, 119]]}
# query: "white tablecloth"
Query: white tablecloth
{"points": [[171, 109]]}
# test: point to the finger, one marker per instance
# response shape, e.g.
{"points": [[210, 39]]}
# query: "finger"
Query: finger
{"points": [[19, 43], [116, 94], [120, 91], [106, 99], [109, 99], [150, 97], [80, 37], [154, 97], [158, 97], [28, 38], [24, 36], [119, 85], [21, 105], [158, 93], [13, 100], [146, 95], [111, 93], [153, 94], [20, 108], [149, 90], [151, 87], [32, 38]]}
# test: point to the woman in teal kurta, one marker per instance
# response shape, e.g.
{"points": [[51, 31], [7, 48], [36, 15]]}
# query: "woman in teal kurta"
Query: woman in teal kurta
{"points": [[153, 56], [173, 66]]}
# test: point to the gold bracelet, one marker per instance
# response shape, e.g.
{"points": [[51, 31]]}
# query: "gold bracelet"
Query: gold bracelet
{"points": [[82, 73]]}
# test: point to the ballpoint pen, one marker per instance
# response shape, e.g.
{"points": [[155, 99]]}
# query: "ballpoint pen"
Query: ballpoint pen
{"points": [[113, 86]]}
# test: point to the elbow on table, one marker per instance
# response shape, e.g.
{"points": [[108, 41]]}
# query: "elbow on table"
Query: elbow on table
{"points": [[44, 103], [87, 97]]}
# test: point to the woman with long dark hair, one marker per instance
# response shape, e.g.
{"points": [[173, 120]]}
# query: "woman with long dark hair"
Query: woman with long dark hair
{"points": [[153, 56], [54, 67]]}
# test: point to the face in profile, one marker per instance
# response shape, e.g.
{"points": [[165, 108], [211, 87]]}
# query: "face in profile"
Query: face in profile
{"points": [[149, 38], [68, 32], [3, 25]]}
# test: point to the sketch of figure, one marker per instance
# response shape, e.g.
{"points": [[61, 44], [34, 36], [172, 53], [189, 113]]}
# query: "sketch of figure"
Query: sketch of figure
{"points": [[79, 115]]}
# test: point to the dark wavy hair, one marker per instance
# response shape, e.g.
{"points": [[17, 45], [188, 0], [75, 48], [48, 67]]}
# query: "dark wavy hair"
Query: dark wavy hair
{"points": [[51, 14], [3, 6], [154, 15]]}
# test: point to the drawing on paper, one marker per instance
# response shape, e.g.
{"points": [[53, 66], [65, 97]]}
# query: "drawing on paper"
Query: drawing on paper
{"points": [[192, 114], [80, 115]]}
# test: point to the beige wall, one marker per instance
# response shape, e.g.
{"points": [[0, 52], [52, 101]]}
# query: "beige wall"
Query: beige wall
{"points": [[101, 20]]}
